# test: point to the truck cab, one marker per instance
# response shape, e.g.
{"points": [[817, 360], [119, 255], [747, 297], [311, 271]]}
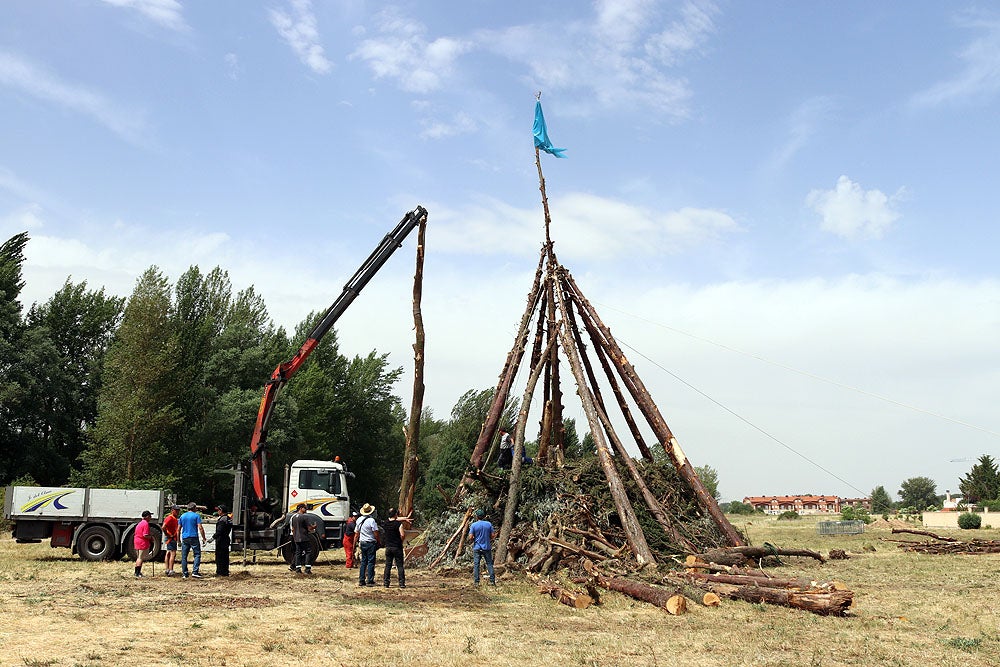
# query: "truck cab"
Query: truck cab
{"points": [[323, 486]]}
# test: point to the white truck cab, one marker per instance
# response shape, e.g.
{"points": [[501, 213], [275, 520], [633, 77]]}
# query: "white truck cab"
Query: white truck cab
{"points": [[323, 486]]}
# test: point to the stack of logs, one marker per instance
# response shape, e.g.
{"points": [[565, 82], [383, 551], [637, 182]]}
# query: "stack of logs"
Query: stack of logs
{"points": [[947, 545]]}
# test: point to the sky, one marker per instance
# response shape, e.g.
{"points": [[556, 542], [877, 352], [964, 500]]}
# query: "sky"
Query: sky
{"points": [[786, 212]]}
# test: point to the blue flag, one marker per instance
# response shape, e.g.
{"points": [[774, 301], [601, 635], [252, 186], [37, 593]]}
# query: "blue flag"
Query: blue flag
{"points": [[542, 135]]}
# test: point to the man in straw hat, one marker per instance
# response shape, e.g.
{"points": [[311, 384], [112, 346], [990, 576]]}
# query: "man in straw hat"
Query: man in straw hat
{"points": [[366, 530]]}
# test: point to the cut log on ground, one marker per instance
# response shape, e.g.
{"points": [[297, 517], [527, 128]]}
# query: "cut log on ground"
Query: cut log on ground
{"points": [[668, 599], [576, 600], [925, 534], [824, 603]]}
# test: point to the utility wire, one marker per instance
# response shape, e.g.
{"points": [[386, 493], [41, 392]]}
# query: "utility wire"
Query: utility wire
{"points": [[742, 418], [808, 374]]}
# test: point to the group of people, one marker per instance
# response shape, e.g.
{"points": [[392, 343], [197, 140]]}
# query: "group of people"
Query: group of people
{"points": [[362, 533], [187, 531]]}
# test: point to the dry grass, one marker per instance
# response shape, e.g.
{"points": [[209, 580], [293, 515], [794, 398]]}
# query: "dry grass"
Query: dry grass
{"points": [[909, 609]]}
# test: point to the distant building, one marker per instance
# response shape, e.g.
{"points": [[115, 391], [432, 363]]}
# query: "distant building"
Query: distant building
{"points": [[805, 504]]}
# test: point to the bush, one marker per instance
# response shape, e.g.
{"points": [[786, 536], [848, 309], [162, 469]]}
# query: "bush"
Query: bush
{"points": [[969, 521], [737, 507], [856, 514], [790, 515]]}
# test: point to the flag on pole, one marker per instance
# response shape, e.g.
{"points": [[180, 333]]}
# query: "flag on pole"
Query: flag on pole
{"points": [[542, 135]]}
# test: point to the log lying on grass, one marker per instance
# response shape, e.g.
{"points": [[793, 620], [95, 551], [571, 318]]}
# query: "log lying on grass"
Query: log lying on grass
{"points": [[668, 599], [576, 600], [827, 599], [947, 545]]}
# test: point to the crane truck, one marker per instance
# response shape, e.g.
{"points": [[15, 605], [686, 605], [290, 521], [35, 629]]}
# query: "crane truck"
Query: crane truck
{"points": [[98, 523]]}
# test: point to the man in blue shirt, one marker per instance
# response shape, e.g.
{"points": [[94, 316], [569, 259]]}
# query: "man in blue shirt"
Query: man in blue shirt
{"points": [[190, 523], [482, 534]]}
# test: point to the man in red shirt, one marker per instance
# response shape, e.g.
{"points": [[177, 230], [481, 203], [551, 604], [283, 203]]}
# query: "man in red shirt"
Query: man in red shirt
{"points": [[142, 542], [170, 538]]}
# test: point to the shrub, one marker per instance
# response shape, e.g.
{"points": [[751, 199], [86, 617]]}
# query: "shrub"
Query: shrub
{"points": [[969, 521], [790, 515], [736, 507]]}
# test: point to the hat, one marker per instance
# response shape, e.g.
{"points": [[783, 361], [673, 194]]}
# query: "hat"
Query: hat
{"points": [[367, 509], [146, 514], [302, 506], [192, 506], [480, 514], [175, 507]]}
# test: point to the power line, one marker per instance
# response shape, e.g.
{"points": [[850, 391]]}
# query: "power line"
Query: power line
{"points": [[808, 374], [742, 418]]}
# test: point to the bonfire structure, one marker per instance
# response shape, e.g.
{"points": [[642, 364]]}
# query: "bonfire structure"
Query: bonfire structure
{"points": [[607, 520]]}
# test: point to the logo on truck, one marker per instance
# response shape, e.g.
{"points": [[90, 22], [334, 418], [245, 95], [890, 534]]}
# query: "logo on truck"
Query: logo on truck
{"points": [[46, 499]]}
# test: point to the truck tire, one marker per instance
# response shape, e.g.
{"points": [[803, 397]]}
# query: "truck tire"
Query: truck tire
{"points": [[315, 546], [155, 536], [96, 543]]}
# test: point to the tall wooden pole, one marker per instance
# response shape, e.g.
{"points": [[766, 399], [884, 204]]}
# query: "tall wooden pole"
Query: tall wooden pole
{"points": [[410, 460]]}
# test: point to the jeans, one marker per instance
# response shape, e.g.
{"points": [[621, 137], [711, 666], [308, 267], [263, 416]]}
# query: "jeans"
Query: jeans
{"points": [[487, 555], [366, 573], [394, 555], [190, 544]]}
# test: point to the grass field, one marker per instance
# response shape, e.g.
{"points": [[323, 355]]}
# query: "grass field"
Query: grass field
{"points": [[909, 610]]}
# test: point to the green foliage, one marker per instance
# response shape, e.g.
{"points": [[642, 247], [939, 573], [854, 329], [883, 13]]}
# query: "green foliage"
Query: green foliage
{"points": [[969, 521], [856, 514], [881, 501], [13, 401], [982, 482], [789, 515], [919, 492], [710, 478], [737, 507]]}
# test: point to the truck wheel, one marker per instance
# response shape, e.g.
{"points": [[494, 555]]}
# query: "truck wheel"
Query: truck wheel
{"points": [[288, 551], [315, 546], [96, 543], [156, 549]]}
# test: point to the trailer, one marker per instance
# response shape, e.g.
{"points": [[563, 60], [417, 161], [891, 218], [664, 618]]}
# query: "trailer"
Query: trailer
{"points": [[97, 524]]}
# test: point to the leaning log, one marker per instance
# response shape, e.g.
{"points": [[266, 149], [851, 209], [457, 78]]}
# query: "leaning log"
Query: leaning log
{"points": [[925, 533], [408, 482], [742, 555]]}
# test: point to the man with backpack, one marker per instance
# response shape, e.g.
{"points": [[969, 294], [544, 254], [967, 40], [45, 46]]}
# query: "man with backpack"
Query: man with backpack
{"points": [[367, 533]]}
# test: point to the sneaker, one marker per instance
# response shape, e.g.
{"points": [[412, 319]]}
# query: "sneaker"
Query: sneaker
{"points": [[138, 575], [402, 585], [361, 583], [385, 585], [308, 571], [196, 575], [291, 568], [185, 575], [168, 573], [371, 583]]}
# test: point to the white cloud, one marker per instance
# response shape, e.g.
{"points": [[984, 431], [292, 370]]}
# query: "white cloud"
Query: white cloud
{"points": [[460, 123], [231, 64], [298, 27], [167, 13], [981, 75], [22, 75], [586, 226], [851, 212], [804, 122], [402, 52], [25, 218]]}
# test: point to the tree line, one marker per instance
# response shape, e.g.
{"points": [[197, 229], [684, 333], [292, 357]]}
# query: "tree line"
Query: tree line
{"points": [[161, 390]]}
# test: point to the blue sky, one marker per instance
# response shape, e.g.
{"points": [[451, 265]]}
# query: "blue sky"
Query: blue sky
{"points": [[783, 208]]}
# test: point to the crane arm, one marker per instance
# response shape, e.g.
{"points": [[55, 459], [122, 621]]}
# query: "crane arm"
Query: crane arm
{"points": [[284, 372]]}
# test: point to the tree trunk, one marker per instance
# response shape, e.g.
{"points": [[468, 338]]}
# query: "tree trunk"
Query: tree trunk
{"points": [[408, 482]]}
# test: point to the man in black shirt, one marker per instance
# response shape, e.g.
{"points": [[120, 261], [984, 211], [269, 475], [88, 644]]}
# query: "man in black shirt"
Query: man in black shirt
{"points": [[223, 529], [302, 525], [394, 531]]}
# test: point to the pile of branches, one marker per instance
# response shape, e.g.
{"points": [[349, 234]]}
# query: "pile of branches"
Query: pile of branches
{"points": [[947, 545]]}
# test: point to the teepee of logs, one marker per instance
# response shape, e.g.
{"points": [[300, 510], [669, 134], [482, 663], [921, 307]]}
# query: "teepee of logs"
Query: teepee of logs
{"points": [[565, 325]]}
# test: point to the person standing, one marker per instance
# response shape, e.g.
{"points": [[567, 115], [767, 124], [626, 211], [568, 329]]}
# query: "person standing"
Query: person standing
{"points": [[171, 538], [349, 537], [368, 536], [302, 525], [506, 458], [191, 527], [482, 534], [394, 531], [142, 542], [223, 530]]}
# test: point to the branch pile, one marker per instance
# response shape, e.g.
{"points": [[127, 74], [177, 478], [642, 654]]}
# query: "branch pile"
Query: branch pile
{"points": [[947, 545]]}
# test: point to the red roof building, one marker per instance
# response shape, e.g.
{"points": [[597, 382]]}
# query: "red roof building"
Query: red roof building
{"points": [[805, 504]]}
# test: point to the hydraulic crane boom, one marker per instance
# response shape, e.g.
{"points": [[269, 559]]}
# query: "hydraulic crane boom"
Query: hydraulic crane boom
{"points": [[284, 372]]}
